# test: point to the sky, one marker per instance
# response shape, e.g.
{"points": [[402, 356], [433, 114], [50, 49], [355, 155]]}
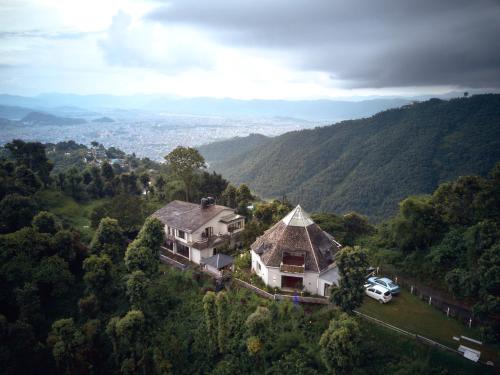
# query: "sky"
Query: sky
{"points": [[293, 49]]}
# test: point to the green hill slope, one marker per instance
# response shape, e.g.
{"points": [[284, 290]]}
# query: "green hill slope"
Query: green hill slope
{"points": [[369, 165]]}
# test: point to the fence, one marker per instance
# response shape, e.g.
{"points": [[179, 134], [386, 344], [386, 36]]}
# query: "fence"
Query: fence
{"points": [[422, 339], [173, 262], [435, 299], [281, 297]]}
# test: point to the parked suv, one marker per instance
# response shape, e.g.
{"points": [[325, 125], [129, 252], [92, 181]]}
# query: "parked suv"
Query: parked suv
{"points": [[378, 293], [385, 282]]}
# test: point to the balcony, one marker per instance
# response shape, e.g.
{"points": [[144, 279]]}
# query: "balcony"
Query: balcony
{"points": [[293, 263], [206, 242]]}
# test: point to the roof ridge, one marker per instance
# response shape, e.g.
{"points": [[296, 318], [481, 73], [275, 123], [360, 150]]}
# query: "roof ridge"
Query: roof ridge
{"points": [[312, 249]]}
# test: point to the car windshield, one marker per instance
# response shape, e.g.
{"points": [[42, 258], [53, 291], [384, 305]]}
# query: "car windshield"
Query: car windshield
{"points": [[392, 285]]}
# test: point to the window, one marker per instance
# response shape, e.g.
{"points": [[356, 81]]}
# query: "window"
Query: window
{"points": [[182, 250], [181, 234], [234, 226], [258, 266], [169, 244]]}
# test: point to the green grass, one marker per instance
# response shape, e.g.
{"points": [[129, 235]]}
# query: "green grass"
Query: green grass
{"points": [[76, 214], [408, 312]]}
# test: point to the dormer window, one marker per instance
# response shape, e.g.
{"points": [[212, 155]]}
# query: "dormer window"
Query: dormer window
{"points": [[181, 234]]}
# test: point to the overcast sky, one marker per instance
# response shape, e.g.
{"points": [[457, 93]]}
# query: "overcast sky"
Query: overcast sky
{"points": [[292, 49]]}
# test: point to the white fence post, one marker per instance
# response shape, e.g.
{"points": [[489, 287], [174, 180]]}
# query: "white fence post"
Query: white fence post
{"points": [[430, 299], [411, 290]]}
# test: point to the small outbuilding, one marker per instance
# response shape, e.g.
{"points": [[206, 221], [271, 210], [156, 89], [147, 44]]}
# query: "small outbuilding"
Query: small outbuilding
{"points": [[218, 264]]}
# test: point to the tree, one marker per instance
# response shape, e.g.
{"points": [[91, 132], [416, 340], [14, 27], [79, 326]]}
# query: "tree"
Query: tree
{"points": [[222, 307], [46, 222], [66, 342], [144, 178], [258, 323], [418, 225], [107, 171], [127, 209], [210, 318], [108, 239], [137, 284], [159, 185], [340, 344], [140, 258], [16, 212], [243, 194], [73, 183], [185, 161], [352, 263], [98, 276], [26, 181], [355, 226], [32, 156], [152, 234], [131, 332], [66, 244], [229, 196], [53, 277]]}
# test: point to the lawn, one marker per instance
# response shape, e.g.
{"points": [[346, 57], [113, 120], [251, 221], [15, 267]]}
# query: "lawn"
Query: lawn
{"points": [[76, 214], [408, 312]]}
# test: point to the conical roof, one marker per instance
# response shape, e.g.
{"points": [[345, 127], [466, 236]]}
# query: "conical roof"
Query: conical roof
{"points": [[297, 234]]}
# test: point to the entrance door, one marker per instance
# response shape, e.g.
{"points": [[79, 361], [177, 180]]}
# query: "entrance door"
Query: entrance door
{"points": [[292, 282]]}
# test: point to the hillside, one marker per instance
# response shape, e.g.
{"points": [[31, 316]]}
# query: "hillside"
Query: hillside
{"points": [[371, 164], [224, 150], [41, 118]]}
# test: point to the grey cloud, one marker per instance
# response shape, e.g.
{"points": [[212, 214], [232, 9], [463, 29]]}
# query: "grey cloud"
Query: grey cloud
{"points": [[361, 43]]}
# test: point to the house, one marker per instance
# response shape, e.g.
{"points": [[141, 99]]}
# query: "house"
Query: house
{"points": [[295, 254], [197, 231]]}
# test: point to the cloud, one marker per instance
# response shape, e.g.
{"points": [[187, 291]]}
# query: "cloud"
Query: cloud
{"points": [[169, 50], [361, 44], [44, 34]]}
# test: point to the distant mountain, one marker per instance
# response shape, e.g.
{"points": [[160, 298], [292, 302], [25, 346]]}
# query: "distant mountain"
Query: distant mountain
{"points": [[369, 165], [13, 112], [41, 118], [103, 119], [316, 110]]}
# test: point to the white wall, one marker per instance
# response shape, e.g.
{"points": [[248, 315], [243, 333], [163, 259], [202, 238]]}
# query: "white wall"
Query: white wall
{"points": [[272, 275], [215, 223]]}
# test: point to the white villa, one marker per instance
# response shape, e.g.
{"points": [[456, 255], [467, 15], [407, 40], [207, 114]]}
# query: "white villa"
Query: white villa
{"points": [[196, 231], [296, 254]]}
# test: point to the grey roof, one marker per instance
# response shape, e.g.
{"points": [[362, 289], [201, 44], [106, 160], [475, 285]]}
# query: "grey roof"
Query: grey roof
{"points": [[331, 276], [297, 233], [188, 216], [230, 218], [218, 261]]}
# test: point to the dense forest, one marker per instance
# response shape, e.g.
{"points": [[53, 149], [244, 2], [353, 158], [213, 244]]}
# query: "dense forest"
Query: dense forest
{"points": [[99, 302], [371, 164]]}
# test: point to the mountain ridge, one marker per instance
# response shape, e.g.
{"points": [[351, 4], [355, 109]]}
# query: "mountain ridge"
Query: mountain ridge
{"points": [[369, 165]]}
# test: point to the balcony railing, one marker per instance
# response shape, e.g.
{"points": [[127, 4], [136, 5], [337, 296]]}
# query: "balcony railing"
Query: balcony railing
{"points": [[206, 242], [292, 268]]}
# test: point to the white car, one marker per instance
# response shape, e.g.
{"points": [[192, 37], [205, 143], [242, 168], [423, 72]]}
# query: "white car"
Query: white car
{"points": [[379, 293]]}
